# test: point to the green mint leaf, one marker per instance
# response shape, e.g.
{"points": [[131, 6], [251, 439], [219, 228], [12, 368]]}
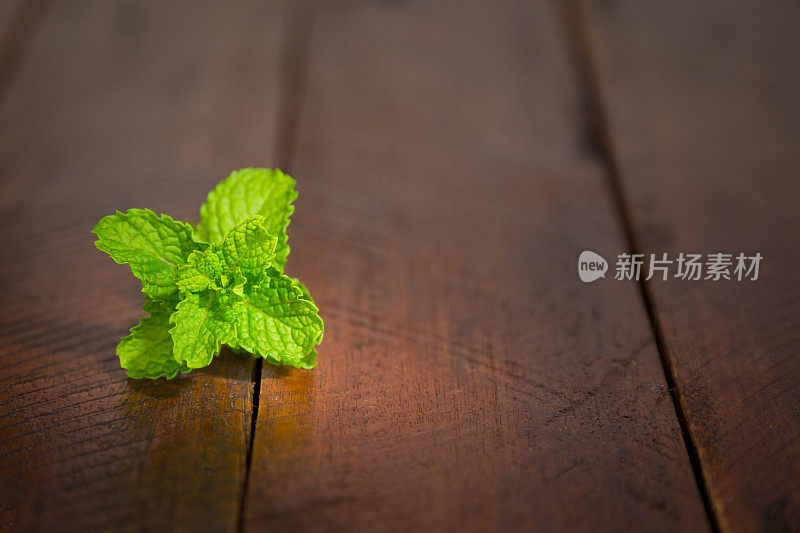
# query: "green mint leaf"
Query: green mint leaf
{"points": [[247, 192], [147, 351], [277, 322], [303, 290], [247, 248], [203, 270], [309, 361], [245, 253], [153, 246], [221, 283], [237, 286], [201, 323]]}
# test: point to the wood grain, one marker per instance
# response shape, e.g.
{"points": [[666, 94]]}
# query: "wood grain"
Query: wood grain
{"points": [[468, 380], [703, 112], [18, 22], [117, 105], [6, 8]]}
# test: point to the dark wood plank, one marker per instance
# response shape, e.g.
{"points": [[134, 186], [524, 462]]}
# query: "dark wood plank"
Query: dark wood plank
{"points": [[468, 379], [703, 108], [18, 20], [7, 7], [116, 105]]}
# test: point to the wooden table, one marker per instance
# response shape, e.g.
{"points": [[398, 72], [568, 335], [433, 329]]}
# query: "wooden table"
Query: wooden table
{"points": [[453, 160]]}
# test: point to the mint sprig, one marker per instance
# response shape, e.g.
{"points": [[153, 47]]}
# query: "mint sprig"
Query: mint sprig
{"points": [[221, 282]]}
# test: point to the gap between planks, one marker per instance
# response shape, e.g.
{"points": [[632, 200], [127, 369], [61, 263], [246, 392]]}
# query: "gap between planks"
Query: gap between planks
{"points": [[600, 144], [293, 71]]}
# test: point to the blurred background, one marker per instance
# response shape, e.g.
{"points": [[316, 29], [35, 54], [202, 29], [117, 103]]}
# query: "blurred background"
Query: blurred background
{"points": [[453, 160]]}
